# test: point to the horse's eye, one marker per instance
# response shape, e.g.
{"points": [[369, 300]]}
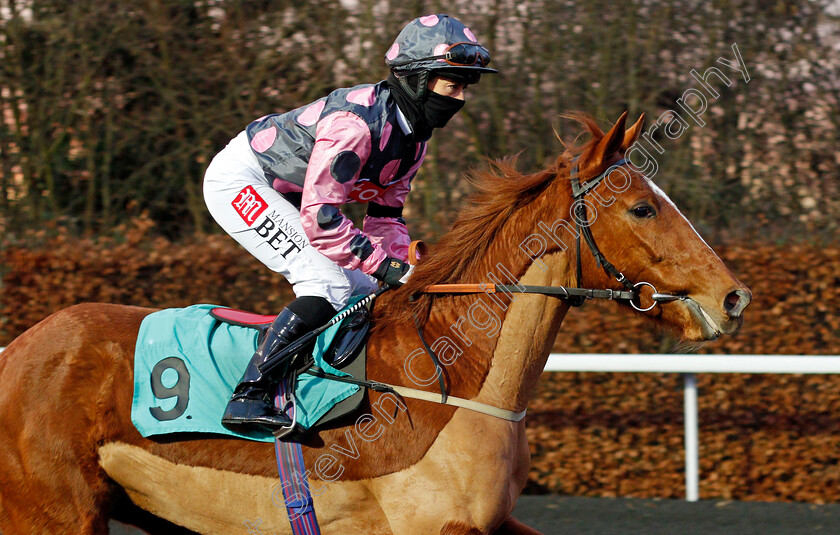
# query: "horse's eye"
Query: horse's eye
{"points": [[642, 211]]}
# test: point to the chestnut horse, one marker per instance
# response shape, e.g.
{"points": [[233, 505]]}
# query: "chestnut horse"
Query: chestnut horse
{"points": [[69, 454]]}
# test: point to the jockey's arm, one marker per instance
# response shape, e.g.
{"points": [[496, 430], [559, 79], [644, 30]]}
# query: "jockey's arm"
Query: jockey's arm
{"points": [[342, 146], [384, 222]]}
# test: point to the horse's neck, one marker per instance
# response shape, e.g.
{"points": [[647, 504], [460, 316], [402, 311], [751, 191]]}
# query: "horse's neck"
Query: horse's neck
{"points": [[502, 368], [527, 336]]}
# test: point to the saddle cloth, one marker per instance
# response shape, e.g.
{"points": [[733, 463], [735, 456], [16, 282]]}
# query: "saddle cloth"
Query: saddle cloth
{"points": [[187, 363]]}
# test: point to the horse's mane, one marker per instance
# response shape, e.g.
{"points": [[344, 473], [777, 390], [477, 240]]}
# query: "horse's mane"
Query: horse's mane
{"points": [[499, 191]]}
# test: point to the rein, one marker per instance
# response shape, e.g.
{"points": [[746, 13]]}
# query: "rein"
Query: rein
{"points": [[556, 291]]}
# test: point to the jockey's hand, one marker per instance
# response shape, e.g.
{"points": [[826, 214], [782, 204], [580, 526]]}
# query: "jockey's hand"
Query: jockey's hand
{"points": [[393, 272]]}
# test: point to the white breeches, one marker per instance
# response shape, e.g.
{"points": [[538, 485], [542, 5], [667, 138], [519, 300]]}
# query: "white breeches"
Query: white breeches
{"points": [[268, 226]]}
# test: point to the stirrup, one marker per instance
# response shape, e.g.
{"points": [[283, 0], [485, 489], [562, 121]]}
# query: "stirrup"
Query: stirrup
{"points": [[288, 401]]}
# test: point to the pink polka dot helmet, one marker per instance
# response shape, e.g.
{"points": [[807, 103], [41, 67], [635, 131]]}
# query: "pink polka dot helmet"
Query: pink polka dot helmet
{"points": [[437, 43]]}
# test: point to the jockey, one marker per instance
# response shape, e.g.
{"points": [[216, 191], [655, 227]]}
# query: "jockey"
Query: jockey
{"points": [[277, 187]]}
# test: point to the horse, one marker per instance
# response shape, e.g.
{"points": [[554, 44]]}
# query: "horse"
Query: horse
{"points": [[70, 456]]}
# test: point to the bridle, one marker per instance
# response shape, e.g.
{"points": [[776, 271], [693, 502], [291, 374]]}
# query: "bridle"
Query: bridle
{"points": [[578, 195], [574, 296]]}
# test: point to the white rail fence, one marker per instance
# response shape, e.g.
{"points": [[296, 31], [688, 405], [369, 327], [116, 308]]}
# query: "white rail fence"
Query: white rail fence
{"points": [[689, 366]]}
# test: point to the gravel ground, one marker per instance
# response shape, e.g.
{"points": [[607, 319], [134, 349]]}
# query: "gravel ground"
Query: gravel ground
{"points": [[555, 515], [561, 515]]}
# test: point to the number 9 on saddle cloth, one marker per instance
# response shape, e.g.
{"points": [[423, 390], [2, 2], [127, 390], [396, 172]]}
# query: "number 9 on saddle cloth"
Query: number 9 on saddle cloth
{"points": [[195, 355]]}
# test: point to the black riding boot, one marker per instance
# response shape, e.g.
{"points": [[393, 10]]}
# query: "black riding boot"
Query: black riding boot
{"points": [[251, 407]]}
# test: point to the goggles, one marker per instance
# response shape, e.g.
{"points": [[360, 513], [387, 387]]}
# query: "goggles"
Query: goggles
{"points": [[458, 55]]}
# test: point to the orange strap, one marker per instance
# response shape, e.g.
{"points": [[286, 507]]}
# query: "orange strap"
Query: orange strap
{"points": [[416, 250], [460, 288]]}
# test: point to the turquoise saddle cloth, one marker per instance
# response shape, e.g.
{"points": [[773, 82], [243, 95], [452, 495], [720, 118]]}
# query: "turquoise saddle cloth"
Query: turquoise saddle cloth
{"points": [[187, 363]]}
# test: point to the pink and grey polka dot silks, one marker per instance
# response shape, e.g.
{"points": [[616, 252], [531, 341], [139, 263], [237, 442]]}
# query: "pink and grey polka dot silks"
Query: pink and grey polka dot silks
{"points": [[346, 147]]}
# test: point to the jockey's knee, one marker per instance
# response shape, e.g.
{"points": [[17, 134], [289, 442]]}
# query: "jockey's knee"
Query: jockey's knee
{"points": [[313, 310]]}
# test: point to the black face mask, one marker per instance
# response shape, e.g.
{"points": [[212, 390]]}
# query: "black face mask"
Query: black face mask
{"points": [[412, 109], [434, 112], [438, 109]]}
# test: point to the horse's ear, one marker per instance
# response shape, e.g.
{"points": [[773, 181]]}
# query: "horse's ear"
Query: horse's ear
{"points": [[608, 145], [633, 133]]}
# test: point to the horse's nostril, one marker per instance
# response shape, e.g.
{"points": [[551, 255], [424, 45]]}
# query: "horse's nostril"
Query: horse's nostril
{"points": [[736, 302], [732, 301]]}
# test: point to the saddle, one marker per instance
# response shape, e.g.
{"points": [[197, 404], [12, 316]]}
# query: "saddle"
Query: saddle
{"points": [[346, 352]]}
